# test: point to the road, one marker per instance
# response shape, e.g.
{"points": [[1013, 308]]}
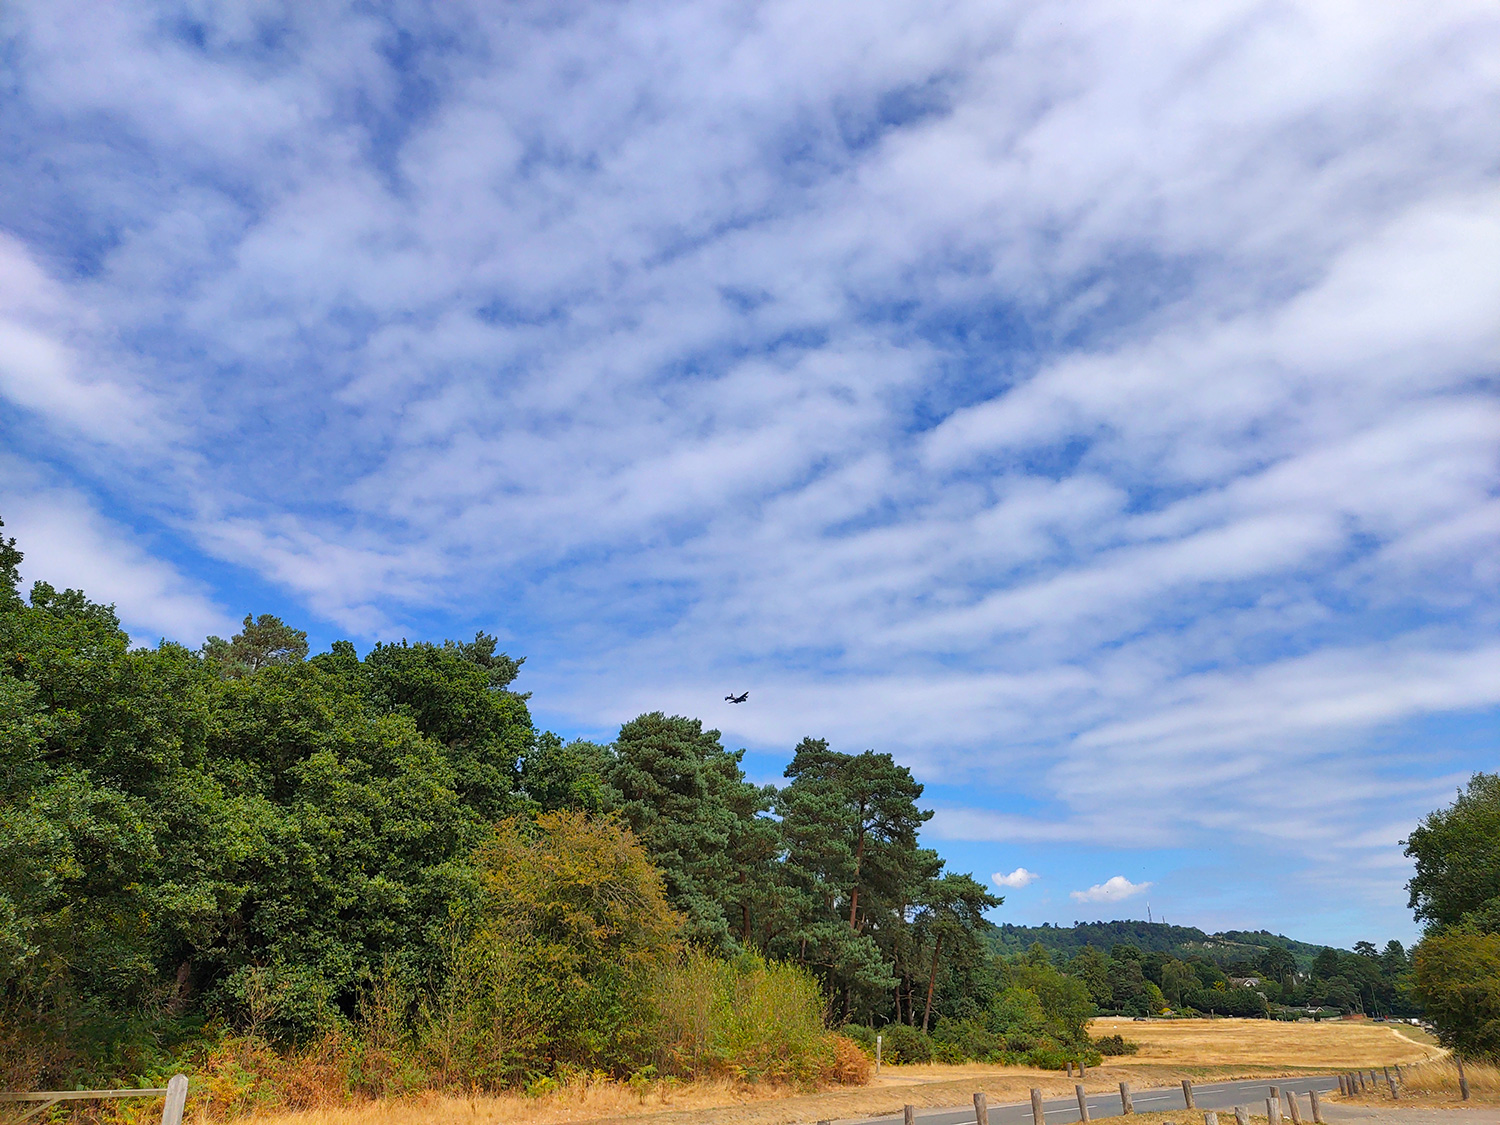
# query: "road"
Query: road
{"points": [[1059, 1111]]}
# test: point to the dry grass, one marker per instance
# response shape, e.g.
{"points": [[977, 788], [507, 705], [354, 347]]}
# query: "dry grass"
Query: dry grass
{"points": [[1170, 1049], [1191, 1044], [1436, 1084]]}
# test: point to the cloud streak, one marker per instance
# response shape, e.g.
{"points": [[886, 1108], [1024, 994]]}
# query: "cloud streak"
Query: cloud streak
{"points": [[1077, 402]]}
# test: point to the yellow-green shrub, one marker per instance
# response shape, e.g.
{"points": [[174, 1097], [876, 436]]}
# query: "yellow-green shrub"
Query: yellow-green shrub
{"points": [[750, 1018]]}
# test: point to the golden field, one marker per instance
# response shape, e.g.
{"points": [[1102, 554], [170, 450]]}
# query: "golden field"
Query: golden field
{"points": [[1170, 1049], [1237, 1043]]}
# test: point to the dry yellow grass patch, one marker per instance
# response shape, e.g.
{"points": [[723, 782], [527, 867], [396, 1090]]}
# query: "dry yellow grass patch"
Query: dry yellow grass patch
{"points": [[1171, 1049], [1270, 1043], [1436, 1084]]}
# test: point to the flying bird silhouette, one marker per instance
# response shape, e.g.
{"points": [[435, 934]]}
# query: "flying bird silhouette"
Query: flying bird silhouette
{"points": [[737, 698]]}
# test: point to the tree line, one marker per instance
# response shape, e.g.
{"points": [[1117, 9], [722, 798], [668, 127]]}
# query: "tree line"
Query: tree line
{"points": [[247, 838]]}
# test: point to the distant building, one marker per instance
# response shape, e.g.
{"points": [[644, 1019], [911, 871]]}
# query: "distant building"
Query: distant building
{"points": [[1245, 982]]}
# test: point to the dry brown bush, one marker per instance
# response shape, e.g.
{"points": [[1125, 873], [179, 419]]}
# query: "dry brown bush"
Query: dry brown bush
{"points": [[849, 1066]]}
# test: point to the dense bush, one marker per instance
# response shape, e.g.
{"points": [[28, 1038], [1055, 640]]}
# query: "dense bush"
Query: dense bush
{"points": [[1115, 1045], [1245, 1002], [968, 1039], [905, 1044], [747, 1018]]}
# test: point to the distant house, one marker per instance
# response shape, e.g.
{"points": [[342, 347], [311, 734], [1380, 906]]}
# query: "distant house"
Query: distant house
{"points": [[1245, 982]]}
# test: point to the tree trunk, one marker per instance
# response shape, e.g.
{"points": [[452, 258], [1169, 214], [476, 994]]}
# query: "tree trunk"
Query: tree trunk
{"points": [[859, 855], [931, 981]]}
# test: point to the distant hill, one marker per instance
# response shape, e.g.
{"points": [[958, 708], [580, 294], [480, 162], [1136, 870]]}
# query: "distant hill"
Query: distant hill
{"points": [[1159, 937]]}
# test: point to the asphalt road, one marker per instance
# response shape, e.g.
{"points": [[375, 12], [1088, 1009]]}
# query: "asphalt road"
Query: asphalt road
{"points": [[1212, 1095]]}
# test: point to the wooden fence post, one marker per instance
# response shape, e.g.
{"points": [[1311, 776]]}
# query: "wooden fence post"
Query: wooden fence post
{"points": [[981, 1109], [1273, 1111], [909, 1115], [1083, 1105], [1291, 1104], [878, 1038], [1241, 1115], [1187, 1093], [1317, 1107], [1126, 1105], [1210, 1117], [1038, 1114], [1463, 1079], [177, 1090]]}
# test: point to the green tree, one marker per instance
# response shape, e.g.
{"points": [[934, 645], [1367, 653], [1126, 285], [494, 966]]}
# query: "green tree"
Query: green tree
{"points": [[457, 694], [1278, 964], [1457, 856], [264, 641], [849, 826], [1065, 1002], [573, 776], [952, 911], [1092, 967], [850, 820], [1177, 979], [686, 799], [1457, 977]]}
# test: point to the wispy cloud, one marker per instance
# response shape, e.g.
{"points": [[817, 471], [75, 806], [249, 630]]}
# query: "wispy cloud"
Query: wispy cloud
{"points": [[1078, 402]]}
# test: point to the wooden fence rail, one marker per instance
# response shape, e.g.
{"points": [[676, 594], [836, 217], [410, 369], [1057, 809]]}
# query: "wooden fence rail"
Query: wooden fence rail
{"points": [[175, 1092]]}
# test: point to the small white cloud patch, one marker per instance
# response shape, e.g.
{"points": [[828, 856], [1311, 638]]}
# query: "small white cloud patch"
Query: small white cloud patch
{"points": [[1111, 890], [1017, 879]]}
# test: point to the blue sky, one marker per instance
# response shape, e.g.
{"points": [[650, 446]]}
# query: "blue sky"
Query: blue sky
{"points": [[1093, 405]]}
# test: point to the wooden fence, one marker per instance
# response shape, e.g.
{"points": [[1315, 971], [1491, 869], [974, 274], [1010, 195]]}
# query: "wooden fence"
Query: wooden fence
{"points": [[175, 1092]]}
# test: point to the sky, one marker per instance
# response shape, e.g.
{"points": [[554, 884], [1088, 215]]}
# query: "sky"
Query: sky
{"points": [[1094, 405]]}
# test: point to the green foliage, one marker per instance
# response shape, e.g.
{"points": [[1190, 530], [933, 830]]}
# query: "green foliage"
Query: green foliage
{"points": [[1065, 1002], [1457, 976], [1457, 855], [573, 776], [570, 924], [265, 640], [1244, 1002], [747, 1018], [1186, 943], [179, 842], [1115, 1045], [961, 1040], [686, 799], [1455, 969], [905, 1044]]}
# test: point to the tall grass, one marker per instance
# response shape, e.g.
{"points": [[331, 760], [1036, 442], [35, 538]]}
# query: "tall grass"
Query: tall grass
{"points": [[1439, 1079]]}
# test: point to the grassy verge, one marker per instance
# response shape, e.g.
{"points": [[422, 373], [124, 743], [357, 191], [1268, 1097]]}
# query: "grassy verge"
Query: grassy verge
{"points": [[1436, 1084]]}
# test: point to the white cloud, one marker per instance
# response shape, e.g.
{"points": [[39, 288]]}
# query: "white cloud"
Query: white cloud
{"points": [[1114, 889], [1057, 397], [1017, 879], [68, 544]]}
